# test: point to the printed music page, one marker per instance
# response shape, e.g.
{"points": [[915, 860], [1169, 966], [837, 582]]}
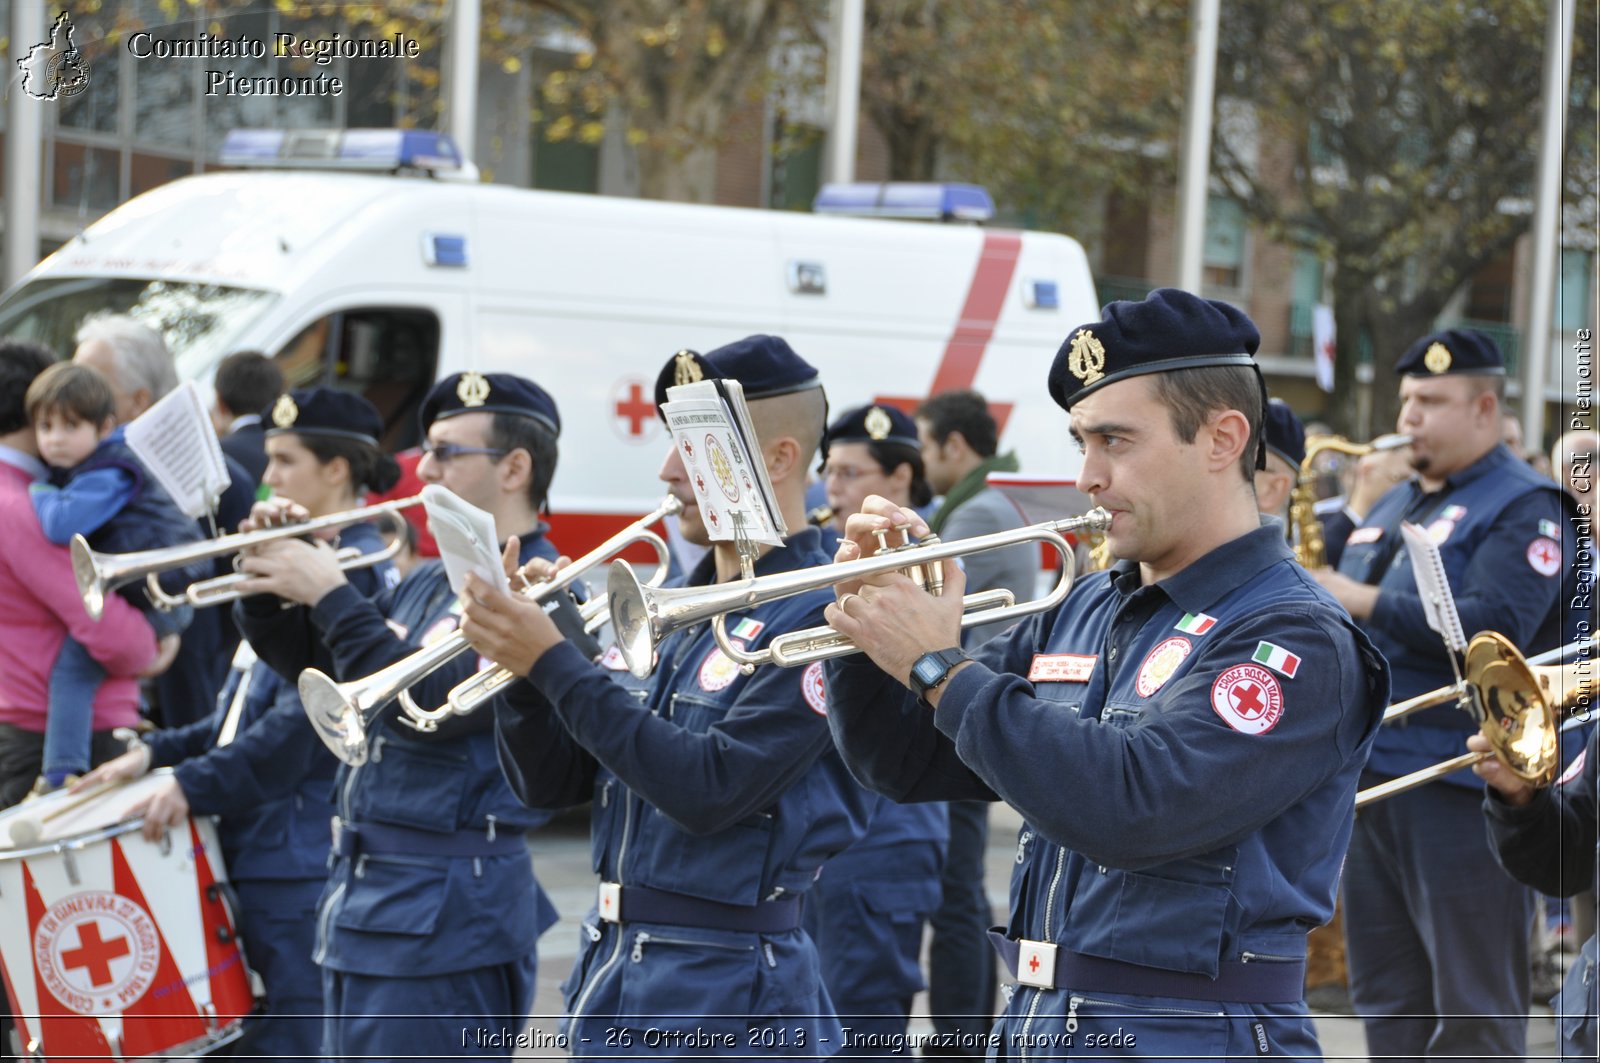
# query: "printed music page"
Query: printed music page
{"points": [[177, 443], [710, 426], [466, 537]]}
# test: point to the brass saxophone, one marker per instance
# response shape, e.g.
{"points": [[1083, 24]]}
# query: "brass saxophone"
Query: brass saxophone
{"points": [[1310, 549]]}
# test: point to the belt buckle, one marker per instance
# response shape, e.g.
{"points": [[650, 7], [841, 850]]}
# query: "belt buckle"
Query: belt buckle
{"points": [[1036, 964], [610, 902]]}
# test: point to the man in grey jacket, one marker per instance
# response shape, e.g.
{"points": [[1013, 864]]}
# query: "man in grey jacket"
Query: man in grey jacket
{"points": [[959, 444]]}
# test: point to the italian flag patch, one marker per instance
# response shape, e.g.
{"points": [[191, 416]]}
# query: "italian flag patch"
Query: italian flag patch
{"points": [[1277, 658], [1196, 623], [1550, 528], [747, 629]]}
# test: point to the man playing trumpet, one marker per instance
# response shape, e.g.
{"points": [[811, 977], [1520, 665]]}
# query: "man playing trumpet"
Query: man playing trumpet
{"points": [[1183, 735], [717, 795], [431, 913]]}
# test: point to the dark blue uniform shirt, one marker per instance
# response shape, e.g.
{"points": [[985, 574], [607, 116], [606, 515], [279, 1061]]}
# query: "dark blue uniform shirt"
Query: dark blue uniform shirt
{"points": [[1185, 756], [1506, 543], [415, 913], [706, 783]]}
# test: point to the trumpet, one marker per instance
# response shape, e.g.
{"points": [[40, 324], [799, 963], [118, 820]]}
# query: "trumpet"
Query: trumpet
{"points": [[644, 616], [1517, 703], [99, 574], [342, 713]]}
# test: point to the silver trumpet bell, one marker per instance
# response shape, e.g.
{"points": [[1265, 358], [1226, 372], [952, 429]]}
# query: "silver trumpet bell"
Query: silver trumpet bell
{"points": [[343, 713], [643, 616]]}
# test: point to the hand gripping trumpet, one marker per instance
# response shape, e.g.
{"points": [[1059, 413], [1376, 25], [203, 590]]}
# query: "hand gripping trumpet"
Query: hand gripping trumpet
{"points": [[1519, 705], [643, 616], [342, 713], [99, 574]]}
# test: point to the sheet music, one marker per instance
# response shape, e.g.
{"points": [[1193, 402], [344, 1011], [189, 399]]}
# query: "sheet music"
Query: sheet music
{"points": [[466, 536], [178, 445], [1438, 604], [710, 426]]}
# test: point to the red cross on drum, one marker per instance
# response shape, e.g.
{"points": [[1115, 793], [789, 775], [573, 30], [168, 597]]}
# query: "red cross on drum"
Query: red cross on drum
{"points": [[1248, 698]]}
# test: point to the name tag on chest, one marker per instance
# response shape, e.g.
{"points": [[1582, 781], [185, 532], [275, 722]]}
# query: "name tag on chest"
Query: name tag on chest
{"points": [[1062, 667]]}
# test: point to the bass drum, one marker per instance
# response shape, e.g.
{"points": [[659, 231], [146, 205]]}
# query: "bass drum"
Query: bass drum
{"points": [[114, 947]]}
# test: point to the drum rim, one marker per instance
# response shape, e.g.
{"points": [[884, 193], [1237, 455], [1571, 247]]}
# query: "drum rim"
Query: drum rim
{"points": [[99, 834]]}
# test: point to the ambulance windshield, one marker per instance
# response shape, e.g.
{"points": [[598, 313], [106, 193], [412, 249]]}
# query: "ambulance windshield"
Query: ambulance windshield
{"points": [[198, 321]]}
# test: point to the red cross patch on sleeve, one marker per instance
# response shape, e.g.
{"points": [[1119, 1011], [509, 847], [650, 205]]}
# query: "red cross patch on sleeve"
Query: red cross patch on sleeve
{"points": [[1544, 556], [1248, 698]]}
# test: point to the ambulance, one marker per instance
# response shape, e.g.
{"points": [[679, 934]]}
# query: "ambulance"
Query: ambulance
{"points": [[374, 260]]}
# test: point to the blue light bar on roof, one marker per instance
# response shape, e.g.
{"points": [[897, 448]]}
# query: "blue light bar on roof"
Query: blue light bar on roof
{"points": [[905, 199], [341, 149]]}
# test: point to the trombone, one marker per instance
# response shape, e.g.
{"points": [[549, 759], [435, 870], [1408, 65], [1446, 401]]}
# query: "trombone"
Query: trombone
{"points": [[643, 616], [98, 574], [342, 713], [1518, 704]]}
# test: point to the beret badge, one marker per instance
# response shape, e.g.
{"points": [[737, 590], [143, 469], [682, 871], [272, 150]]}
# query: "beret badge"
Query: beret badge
{"points": [[878, 424], [685, 370], [1086, 359], [473, 389], [284, 411], [1437, 359]]}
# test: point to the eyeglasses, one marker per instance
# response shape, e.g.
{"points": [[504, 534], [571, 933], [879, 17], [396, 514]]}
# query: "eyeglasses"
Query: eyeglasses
{"points": [[446, 452], [847, 473]]}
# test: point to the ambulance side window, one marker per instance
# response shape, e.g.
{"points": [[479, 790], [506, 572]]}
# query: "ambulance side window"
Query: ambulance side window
{"points": [[388, 354]]}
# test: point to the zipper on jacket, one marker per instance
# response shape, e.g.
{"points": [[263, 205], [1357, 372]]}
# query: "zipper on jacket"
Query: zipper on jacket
{"points": [[1049, 909], [644, 937]]}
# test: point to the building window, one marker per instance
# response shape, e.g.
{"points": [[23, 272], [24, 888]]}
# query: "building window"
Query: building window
{"points": [[1575, 296], [796, 173], [1224, 251]]}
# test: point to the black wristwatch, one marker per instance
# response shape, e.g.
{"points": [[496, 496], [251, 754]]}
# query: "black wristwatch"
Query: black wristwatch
{"points": [[931, 669]]}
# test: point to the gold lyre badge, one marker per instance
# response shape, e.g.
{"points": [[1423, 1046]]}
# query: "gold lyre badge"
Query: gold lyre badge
{"points": [[284, 411], [1087, 357], [878, 424], [1437, 358], [473, 389], [685, 370]]}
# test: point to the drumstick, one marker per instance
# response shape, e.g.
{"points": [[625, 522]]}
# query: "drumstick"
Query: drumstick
{"points": [[28, 831]]}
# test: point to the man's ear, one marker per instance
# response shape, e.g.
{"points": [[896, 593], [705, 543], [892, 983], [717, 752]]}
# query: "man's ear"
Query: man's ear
{"points": [[1229, 433], [516, 469], [783, 459]]}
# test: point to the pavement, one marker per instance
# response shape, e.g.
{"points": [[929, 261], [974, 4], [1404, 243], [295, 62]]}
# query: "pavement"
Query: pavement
{"points": [[562, 861]]}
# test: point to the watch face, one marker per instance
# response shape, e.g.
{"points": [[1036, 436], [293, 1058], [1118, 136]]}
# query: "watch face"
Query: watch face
{"points": [[928, 669]]}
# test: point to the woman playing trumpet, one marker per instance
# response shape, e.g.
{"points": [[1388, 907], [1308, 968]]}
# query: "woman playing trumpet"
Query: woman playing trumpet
{"points": [[256, 762]]}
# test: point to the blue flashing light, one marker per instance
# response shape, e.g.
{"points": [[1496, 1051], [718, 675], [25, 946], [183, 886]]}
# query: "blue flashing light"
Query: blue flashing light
{"points": [[341, 149], [1043, 295], [447, 251], [904, 199]]}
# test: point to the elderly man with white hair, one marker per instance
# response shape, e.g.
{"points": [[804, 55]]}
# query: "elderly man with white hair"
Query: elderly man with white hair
{"points": [[135, 361]]}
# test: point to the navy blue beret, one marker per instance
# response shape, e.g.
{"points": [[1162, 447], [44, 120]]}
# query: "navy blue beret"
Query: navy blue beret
{"points": [[766, 366], [475, 392], [873, 424], [1452, 351], [324, 412], [1286, 436], [1168, 329]]}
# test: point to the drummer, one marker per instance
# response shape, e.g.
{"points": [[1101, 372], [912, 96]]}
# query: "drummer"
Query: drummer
{"points": [[256, 761]]}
